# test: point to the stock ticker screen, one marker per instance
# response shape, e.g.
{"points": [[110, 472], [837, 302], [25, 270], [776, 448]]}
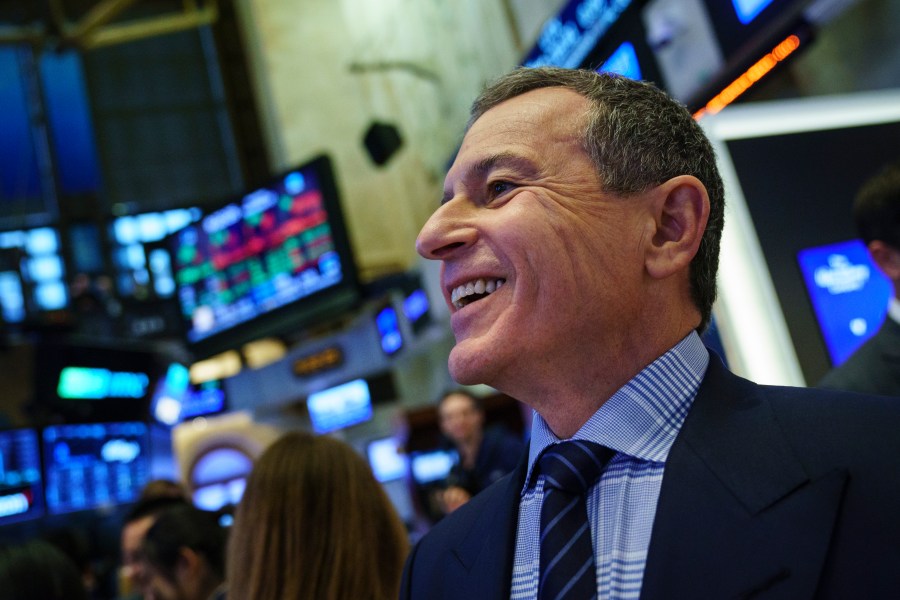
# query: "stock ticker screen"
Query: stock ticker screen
{"points": [[21, 493], [94, 465], [273, 248]]}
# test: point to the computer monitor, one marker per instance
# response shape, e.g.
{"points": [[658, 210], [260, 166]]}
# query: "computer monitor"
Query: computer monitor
{"points": [[94, 465], [21, 490], [387, 462], [432, 465], [340, 406], [388, 324], [176, 399], [90, 382], [849, 294], [271, 262]]}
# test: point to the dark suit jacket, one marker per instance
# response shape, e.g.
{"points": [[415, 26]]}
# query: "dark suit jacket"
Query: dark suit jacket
{"points": [[769, 492], [875, 366]]}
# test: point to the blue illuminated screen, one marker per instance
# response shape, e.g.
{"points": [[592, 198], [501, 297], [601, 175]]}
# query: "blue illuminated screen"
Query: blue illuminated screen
{"points": [[432, 466], [137, 267], [41, 271], [12, 296], [747, 10], [94, 465], [623, 61], [386, 460], [389, 330], [21, 492], [568, 37], [340, 406], [415, 305], [95, 383], [848, 293], [176, 398]]}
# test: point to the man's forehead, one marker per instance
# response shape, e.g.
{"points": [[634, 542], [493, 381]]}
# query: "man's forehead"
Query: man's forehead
{"points": [[555, 104]]}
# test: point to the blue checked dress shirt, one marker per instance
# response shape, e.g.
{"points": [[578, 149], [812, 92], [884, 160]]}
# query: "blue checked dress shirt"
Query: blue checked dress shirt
{"points": [[639, 422]]}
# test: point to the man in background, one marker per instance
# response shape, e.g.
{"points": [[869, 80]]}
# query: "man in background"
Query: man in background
{"points": [[137, 522], [183, 556], [875, 366], [485, 455]]}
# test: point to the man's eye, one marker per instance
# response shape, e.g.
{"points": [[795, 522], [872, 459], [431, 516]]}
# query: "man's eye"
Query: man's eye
{"points": [[499, 187]]}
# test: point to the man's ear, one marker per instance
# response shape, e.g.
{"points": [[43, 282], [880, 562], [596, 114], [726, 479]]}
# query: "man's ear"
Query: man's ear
{"points": [[680, 209], [887, 258], [188, 563]]}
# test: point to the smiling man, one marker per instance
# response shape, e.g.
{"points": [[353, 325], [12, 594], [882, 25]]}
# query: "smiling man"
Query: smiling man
{"points": [[579, 234]]}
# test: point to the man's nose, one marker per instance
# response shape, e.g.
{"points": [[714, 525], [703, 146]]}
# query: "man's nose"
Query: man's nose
{"points": [[448, 229]]}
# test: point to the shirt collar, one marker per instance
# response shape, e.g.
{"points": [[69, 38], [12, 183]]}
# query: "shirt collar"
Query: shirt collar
{"points": [[643, 417]]}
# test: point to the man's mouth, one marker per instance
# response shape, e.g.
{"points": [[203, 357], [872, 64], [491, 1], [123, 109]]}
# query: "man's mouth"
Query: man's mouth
{"points": [[474, 290]]}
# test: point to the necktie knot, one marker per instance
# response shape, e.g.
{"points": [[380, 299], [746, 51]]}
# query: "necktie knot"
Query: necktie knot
{"points": [[573, 466]]}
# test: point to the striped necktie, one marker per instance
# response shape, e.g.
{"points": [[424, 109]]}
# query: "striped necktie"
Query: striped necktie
{"points": [[567, 568]]}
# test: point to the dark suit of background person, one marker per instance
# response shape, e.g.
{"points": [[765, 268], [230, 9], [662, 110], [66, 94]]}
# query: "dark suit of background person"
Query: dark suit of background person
{"points": [[769, 492], [875, 366]]}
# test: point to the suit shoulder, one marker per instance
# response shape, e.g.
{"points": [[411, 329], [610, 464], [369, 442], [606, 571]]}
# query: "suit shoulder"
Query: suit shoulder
{"points": [[845, 425]]}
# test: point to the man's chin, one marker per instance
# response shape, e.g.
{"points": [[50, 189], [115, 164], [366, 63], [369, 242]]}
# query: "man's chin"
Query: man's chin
{"points": [[468, 368]]}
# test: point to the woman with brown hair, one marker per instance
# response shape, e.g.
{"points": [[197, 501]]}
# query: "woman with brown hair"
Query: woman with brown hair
{"points": [[314, 523]]}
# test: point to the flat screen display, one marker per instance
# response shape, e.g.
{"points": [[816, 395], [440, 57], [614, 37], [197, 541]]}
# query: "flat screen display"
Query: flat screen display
{"points": [[340, 406], [95, 465], [139, 267], [21, 492], [176, 398], [691, 48], [34, 256], [386, 460], [276, 258], [433, 465], [87, 383], [388, 325], [12, 294], [849, 294]]}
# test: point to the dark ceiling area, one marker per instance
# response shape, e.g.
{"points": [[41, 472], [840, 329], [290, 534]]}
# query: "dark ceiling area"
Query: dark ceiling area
{"points": [[88, 24]]}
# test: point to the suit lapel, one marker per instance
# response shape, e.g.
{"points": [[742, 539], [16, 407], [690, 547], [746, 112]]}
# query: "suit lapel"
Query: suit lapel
{"points": [[737, 515], [486, 551]]}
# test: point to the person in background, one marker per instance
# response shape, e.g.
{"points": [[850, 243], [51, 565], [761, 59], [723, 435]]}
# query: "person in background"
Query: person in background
{"points": [[137, 522], [75, 544], [485, 455], [875, 366], [314, 523], [38, 570], [164, 488], [183, 556], [578, 235]]}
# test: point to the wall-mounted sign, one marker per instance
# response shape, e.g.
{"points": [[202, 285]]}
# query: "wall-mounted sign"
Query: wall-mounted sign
{"points": [[323, 360]]}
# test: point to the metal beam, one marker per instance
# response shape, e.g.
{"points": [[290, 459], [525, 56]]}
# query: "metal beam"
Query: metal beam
{"points": [[148, 27]]}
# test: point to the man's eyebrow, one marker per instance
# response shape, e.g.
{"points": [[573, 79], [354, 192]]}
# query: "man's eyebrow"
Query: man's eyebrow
{"points": [[480, 169], [487, 164]]}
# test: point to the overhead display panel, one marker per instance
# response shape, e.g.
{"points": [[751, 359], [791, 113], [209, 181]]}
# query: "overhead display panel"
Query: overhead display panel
{"points": [[691, 48]]}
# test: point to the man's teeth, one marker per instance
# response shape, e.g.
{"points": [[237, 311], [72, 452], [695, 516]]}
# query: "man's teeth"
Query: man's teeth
{"points": [[461, 295]]}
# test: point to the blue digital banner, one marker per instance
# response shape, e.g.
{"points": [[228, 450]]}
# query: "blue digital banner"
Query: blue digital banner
{"points": [[566, 39], [848, 293]]}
